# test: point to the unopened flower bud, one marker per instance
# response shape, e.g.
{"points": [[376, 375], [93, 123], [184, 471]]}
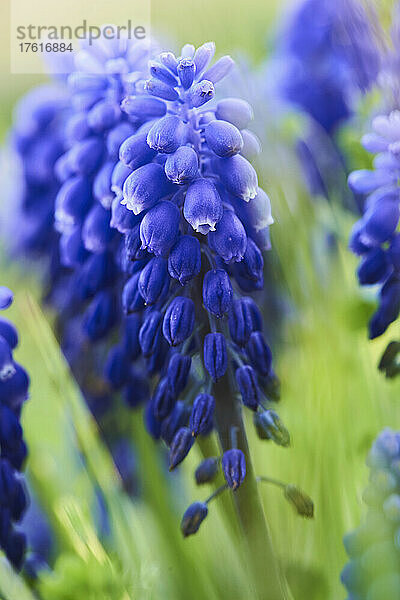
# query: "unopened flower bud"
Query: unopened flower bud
{"points": [[180, 447], [215, 355], [193, 518], [178, 321], [234, 467], [184, 260], [203, 206], [201, 418], [217, 292], [246, 380], [229, 240], [269, 426], [159, 228], [207, 470], [301, 502]]}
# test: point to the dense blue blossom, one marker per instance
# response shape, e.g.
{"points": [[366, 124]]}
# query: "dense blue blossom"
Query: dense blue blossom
{"points": [[373, 548], [374, 237], [197, 201], [161, 227], [270, 427], [35, 145], [13, 393], [94, 132]]}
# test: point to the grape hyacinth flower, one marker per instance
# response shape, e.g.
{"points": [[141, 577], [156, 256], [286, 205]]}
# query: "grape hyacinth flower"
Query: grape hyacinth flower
{"points": [[14, 384], [196, 208], [374, 237], [373, 548], [162, 226], [329, 57]]}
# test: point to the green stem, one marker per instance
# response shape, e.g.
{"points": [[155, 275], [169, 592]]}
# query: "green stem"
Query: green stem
{"points": [[216, 493], [276, 482], [269, 581]]}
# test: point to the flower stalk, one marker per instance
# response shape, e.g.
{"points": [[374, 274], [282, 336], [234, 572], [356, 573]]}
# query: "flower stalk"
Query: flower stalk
{"points": [[262, 561], [255, 530]]}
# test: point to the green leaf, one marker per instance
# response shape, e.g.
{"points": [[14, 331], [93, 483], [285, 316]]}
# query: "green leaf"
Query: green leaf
{"points": [[12, 586]]}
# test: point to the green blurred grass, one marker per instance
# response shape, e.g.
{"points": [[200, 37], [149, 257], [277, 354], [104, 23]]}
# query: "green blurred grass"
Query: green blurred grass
{"points": [[232, 25]]}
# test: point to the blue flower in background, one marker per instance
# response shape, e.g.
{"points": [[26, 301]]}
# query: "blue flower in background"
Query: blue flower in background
{"points": [[332, 54], [13, 393], [328, 58], [374, 237], [94, 131], [373, 548], [66, 138]]}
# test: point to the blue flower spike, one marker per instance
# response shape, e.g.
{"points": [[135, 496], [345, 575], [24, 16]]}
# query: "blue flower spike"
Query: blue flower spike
{"points": [[160, 226], [207, 470], [375, 237], [14, 384]]}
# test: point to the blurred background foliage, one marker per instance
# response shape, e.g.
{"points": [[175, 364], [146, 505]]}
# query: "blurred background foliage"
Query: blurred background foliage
{"points": [[334, 401]]}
